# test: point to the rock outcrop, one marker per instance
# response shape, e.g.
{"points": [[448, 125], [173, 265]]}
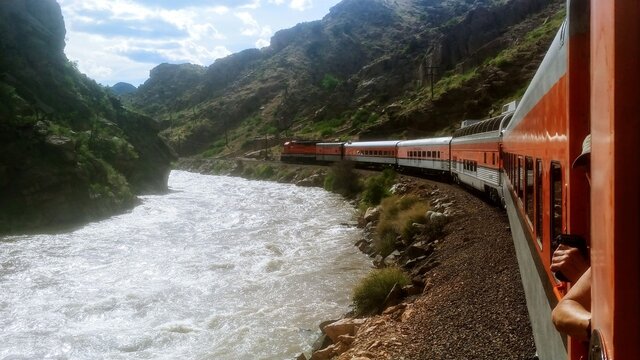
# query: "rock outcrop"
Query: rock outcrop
{"points": [[366, 67], [69, 151]]}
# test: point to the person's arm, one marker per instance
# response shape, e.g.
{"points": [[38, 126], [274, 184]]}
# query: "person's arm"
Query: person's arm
{"points": [[570, 262], [572, 316]]}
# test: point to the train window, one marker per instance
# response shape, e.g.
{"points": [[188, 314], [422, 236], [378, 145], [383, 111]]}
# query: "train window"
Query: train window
{"points": [[529, 188], [521, 178], [438, 155], [424, 154], [556, 200], [538, 190], [493, 156], [485, 157]]}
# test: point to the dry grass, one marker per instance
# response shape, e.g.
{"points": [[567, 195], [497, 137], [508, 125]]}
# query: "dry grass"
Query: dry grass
{"points": [[398, 214], [371, 292]]}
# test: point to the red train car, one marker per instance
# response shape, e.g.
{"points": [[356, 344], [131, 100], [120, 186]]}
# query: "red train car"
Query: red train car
{"points": [[372, 152], [614, 50], [475, 155], [587, 83], [329, 152], [431, 156], [299, 151]]}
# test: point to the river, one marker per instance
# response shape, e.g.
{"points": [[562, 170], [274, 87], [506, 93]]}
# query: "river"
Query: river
{"points": [[218, 268]]}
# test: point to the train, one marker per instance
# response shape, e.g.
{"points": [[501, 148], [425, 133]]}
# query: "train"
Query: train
{"points": [[587, 84]]}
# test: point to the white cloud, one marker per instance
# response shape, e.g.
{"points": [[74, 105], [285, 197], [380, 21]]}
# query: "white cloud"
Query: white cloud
{"points": [[255, 4], [262, 43], [121, 40], [301, 5]]}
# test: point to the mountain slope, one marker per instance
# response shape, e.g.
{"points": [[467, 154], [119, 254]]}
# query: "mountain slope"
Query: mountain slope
{"points": [[69, 151], [364, 70]]}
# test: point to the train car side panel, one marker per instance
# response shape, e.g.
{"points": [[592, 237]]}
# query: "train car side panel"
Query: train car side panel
{"points": [[429, 155], [615, 105], [329, 152], [536, 157], [372, 152]]}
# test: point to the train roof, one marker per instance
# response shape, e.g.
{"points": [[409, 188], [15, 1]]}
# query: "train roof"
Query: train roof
{"points": [[493, 124], [445, 140], [330, 143], [386, 143], [302, 142]]}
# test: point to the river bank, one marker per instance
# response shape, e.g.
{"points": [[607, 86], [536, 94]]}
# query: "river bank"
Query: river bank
{"points": [[469, 302]]}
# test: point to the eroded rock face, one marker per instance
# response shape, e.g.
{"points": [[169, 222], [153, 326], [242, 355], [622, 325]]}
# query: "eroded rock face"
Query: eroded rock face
{"points": [[69, 151]]}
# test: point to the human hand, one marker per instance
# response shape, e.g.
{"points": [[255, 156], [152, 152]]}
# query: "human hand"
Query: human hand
{"points": [[569, 262]]}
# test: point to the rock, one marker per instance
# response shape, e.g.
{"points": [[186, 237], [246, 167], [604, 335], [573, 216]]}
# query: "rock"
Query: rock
{"points": [[392, 259], [372, 214], [301, 357], [346, 339], [411, 290], [394, 297], [330, 351], [321, 342], [422, 269], [394, 309], [418, 250], [347, 326], [314, 180], [378, 261]]}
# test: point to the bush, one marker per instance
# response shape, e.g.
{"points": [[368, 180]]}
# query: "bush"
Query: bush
{"points": [[264, 172], [370, 294], [329, 82], [343, 180], [398, 214], [377, 187]]}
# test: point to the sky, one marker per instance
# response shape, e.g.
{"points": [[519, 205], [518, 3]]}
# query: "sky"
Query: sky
{"points": [[122, 40]]}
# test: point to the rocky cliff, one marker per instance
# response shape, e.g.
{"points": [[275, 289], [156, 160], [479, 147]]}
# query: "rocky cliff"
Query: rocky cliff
{"points": [[368, 69], [69, 151]]}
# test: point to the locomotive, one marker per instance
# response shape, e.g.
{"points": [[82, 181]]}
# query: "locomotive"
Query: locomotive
{"points": [[588, 83]]}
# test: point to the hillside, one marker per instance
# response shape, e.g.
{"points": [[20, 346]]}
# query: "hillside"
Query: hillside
{"points": [[69, 151], [364, 71]]}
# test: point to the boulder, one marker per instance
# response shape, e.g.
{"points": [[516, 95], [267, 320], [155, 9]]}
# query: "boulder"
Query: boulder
{"points": [[418, 250], [372, 214], [392, 259], [330, 351], [347, 326]]}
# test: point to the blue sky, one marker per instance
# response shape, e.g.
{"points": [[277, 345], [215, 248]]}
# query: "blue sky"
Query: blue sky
{"points": [[121, 40]]}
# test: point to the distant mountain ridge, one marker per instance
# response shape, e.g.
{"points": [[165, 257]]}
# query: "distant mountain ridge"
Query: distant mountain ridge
{"points": [[69, 151], [363, 71], [123, 88]]}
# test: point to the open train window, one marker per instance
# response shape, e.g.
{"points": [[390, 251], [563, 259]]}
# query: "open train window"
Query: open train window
{"points": [[538, 189], [556, 200], [485, 157], [528, 165]]}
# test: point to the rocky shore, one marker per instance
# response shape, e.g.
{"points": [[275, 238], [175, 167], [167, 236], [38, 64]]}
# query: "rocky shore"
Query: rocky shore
{"points": [[465, 300]]}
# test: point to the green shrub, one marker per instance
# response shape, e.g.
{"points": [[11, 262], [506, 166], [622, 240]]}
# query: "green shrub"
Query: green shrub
{"points": [[264, 172], [377, 187], [329, 82], [342, 179], [370, 294], [398, 214]]}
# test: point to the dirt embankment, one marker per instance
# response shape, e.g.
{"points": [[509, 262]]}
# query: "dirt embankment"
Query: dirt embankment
{"points": [[472, 305]]}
